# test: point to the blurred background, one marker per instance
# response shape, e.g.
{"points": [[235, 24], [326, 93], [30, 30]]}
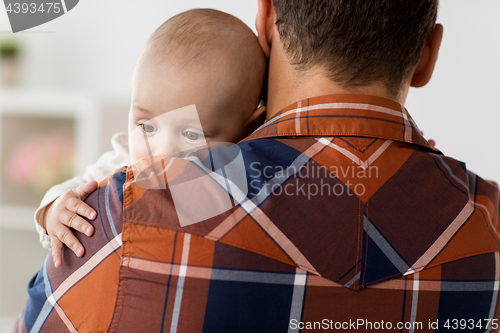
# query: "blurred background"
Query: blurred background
{"points": [[65, 89]]}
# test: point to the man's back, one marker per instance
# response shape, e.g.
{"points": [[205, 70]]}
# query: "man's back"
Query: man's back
{"points": [[346, 225], [346, 219]]}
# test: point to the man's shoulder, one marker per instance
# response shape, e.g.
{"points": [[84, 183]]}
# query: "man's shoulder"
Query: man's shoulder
{"points": [[119, 176], [80, 281]]}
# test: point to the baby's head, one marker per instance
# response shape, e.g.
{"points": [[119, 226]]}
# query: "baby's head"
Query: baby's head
{"points": [[198, 80]]}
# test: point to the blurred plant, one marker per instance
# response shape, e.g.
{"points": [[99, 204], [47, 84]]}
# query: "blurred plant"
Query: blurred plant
{"points": [[9, 49], [41, 161]]}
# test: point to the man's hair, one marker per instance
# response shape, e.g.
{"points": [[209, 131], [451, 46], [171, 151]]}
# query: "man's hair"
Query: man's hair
{"points": [[357, 42]]}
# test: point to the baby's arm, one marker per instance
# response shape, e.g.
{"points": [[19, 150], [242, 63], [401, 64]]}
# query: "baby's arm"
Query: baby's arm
{"points": [[63, 203]]}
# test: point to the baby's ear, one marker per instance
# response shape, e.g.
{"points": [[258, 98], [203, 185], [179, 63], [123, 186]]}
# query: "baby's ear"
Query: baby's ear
{"points": [[255, 115]]}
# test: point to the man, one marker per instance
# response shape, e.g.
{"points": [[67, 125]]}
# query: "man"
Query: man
{"points": [[352, 220]]}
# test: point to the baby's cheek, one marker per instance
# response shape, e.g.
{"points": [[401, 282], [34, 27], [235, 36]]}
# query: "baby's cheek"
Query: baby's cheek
{"points": [[181, 147], [137, 145]]}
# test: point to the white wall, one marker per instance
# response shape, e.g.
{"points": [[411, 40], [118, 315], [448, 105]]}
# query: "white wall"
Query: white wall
{"points": [[460, 107], [95, 46]]}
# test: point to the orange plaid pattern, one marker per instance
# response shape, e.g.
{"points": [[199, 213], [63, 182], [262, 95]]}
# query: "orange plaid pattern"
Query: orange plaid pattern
{"points": [[349, 219]]}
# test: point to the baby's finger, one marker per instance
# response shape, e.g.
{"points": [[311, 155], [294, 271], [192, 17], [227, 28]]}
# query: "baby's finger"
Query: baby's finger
{"points": [[84, 190], [56, 246], [66, 236], [81, 208], [76, 222]]}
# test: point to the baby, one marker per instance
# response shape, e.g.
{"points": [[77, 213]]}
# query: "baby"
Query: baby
{"points": [[198, 80]]}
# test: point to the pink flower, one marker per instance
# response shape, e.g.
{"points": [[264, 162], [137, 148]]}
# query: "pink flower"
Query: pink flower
{"points": [[42, 160]]}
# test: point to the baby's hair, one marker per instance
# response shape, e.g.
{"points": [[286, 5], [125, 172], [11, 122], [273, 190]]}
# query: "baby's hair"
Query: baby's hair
{"points": [[200, 36]]}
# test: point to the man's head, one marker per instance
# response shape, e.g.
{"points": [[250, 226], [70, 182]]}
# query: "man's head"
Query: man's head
{"points": [[204, 58], [355, 43]]}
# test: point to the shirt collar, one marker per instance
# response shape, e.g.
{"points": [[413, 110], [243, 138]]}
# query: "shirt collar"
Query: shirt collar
{"points": [[344, 115]]}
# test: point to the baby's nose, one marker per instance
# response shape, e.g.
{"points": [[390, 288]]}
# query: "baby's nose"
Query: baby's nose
{"points": [[169, 145]]}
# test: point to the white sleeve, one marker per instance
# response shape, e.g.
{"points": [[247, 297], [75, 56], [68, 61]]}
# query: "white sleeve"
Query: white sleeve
{"points": [[108, 163]]}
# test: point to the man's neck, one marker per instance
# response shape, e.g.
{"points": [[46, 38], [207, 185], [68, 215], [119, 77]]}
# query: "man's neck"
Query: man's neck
{"points": [[287, 86]]}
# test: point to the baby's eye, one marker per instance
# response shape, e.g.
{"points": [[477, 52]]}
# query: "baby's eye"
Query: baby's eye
{"points": [[148, 129], [193, 135]]}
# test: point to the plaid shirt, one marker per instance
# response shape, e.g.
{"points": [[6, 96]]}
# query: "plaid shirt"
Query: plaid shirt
{"points": [[350, 220]]}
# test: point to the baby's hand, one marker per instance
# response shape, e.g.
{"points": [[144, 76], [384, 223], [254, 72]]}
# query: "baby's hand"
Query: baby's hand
{"points": [[65, 213], [431, 141]]}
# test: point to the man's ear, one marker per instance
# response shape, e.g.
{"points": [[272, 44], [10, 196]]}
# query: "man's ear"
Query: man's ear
{"points": [[425, 67], [255, 115], [264, 24]]}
